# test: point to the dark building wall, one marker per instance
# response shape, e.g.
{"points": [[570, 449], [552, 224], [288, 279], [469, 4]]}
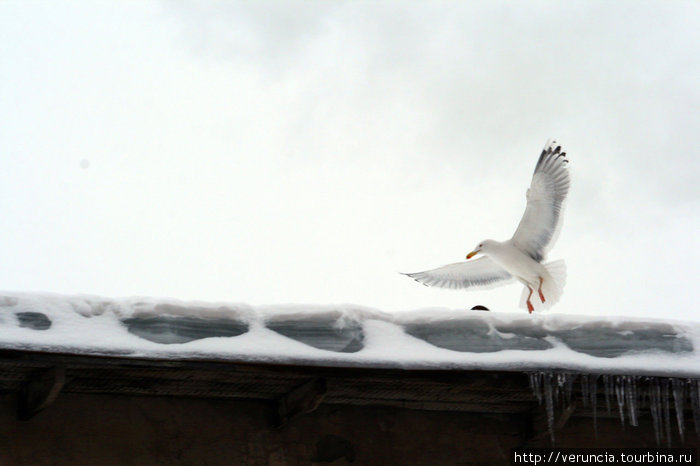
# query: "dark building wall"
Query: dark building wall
{"points": [[121, 430]]}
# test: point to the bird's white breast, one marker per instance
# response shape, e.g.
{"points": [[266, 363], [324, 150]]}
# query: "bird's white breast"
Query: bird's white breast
{"points": [[517, 263]]}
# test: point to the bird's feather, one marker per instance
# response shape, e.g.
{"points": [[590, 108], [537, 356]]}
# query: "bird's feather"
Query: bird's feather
{"points": [[481, 272], [541, 221]]}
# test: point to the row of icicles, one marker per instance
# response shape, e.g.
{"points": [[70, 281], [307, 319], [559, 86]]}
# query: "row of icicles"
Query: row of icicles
{"points": [[623, 393]]}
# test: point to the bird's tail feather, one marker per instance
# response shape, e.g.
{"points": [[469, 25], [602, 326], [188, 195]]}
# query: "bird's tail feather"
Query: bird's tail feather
{"points": [[552, 287]]}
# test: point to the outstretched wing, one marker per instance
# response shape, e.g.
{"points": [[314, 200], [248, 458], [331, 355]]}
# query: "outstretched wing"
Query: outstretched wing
{"points": [[474, 273], [545, 198]]}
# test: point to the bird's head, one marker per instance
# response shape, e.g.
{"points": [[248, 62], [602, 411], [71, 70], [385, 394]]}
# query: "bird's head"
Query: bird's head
{"points": [[484, 248]]}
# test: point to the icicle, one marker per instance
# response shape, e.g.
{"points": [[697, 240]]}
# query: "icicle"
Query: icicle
{"points": [[620, 395], [655, 407], [635, 388], [593, 390], [631, 398], [536, 385], [608, 388], [569, 387], [678, 386], [564, 389], [695, 403], [550, 388], [667, 414], [584, 389], [561, 382], [549, 403]]}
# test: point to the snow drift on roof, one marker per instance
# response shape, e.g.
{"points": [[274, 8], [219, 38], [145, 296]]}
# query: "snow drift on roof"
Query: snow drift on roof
{"points": [[347, 335]]}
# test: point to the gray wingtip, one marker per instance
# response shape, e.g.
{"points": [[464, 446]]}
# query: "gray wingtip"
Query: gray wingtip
{"points": [[413, 277]]}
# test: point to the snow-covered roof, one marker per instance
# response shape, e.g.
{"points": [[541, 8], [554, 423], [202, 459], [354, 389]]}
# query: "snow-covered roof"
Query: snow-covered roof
{"points": [[348, 336]]}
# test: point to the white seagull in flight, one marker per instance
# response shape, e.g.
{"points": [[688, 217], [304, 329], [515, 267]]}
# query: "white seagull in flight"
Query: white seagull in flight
{"points": [[521, 256]]}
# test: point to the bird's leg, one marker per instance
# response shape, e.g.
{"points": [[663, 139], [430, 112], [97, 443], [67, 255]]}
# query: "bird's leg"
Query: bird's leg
{"points": [[529, 304], [540, 290]]}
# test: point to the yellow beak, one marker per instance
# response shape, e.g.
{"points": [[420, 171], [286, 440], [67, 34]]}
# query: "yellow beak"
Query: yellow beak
{"points": [[471, 254]]}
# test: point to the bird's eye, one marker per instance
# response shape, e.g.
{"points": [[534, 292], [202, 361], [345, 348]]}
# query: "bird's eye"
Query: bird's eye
{"points": [[481, 245]]}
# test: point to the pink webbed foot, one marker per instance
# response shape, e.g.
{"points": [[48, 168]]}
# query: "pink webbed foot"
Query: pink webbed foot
{"points": [[529, 304]]}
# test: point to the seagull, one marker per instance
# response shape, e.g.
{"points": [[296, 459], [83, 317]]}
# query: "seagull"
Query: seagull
{"points": [[520, 257]]}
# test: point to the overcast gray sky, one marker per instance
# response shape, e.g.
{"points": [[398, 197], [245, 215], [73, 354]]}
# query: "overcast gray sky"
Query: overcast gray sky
{"points": [[275, 152]]}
